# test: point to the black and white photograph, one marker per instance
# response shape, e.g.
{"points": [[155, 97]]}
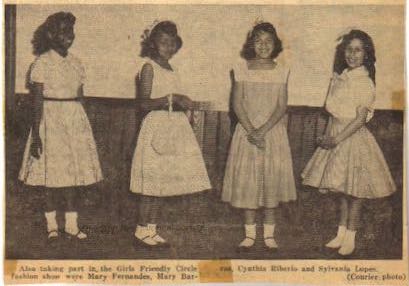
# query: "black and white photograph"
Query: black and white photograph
{"points": [[204, 132]]}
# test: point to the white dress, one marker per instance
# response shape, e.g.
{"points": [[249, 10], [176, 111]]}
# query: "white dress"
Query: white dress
{"points": [[69, 156], [257, 178], [156, 172], [356, 166]]}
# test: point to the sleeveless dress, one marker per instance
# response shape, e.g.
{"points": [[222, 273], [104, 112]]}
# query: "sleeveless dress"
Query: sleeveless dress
{"points": [[356, 166], [260, 178], [155, 171], [69, 156]]}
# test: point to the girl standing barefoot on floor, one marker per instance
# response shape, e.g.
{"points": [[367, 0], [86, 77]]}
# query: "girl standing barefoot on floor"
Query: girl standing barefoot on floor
{"points": [[349, 161], [60, 154], [167, 160], [259, 170]]}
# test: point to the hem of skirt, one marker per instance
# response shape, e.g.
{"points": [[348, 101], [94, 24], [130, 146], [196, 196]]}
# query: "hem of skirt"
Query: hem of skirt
{"points": [[170, 195], [61, 186], [339, 191], [259, 206]]}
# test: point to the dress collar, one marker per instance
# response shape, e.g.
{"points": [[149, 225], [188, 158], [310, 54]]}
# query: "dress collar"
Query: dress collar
{"points": [[56, 56], [354, 73]]}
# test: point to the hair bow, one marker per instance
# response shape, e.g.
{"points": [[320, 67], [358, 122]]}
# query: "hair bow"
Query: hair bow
{"points": [[147, 32], [345, 32]]}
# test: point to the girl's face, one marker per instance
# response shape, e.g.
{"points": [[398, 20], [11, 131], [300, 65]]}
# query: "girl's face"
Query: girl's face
{"points": [[63, 36], [263, 45], [166, 45], [354, 53]]}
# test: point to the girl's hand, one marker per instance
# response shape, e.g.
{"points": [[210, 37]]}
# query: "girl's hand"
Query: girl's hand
{"points": [[36, 147], [256, 137], [183, 101], [261, 144], [257, 134], [328, 142]]}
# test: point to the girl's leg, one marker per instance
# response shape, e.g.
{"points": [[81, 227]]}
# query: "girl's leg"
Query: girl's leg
{"points": [[269, 226], [71, 215], [249, 228], [354, 213], [144, 229], [155, 206], [51, 212], [342, 226]]}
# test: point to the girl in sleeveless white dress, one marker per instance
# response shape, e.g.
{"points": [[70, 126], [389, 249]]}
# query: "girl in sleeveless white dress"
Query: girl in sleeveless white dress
{"points": [[349, 161], [259, 170], [167, 160], [60, 154]]}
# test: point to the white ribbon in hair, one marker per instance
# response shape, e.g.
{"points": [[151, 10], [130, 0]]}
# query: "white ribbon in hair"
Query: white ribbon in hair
{"points": [[147, 32], [345, 32]]}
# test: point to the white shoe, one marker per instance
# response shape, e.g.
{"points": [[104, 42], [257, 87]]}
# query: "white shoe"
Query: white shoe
{"points": [[247, 242], [348, 245], [337, 241], [269, 240], [143, 236], [71, 226], [250, 239], [154, 235]]}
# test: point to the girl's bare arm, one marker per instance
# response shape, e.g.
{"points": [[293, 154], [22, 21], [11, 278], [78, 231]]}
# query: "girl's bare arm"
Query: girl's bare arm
{"points": [[145, 89], [239, 109], [36, 145], [354, 126], [278, 112]]}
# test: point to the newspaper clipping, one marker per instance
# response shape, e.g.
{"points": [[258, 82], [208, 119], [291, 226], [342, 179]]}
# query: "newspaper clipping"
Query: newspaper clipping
{"points": [[183, 142]]}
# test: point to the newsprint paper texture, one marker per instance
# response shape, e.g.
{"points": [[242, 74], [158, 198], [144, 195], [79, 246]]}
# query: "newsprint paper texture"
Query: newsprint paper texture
{"points": [[191, 142]]}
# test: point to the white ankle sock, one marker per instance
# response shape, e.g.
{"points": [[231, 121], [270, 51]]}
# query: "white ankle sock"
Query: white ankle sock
{"points": [[337, 241], [51, 218], [348, 244], [250, 230], [269, 235]]}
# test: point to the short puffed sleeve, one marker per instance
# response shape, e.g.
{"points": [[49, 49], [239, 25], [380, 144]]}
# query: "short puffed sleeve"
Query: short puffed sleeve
{"points": [[38, 70], [364, 93]]}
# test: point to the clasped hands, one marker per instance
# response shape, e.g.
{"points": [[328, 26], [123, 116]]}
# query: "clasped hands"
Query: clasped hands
{"points": [[256, 137]]}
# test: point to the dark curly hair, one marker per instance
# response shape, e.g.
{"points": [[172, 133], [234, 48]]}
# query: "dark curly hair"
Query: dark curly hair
{"points": [[41, 40], [148, 45], [369, 59], [248, 51]]}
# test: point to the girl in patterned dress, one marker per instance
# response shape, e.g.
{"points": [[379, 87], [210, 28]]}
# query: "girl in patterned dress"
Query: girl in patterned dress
{"points": [[60, 154], [348, 160]]}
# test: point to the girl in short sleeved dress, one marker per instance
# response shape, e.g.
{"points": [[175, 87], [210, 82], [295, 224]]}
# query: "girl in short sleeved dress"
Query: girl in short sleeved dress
{"points": [[60, 154], [349, 161], [167, 160], [259, 170]]}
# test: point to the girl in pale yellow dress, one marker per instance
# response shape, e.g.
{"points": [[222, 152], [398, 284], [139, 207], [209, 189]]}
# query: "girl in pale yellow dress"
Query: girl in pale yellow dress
{"points": [[259, 170]]}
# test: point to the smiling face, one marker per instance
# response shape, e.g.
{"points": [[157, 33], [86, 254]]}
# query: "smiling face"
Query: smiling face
{"points": [[354, 54], [263, 45], [166, 46], [63, 37]]}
